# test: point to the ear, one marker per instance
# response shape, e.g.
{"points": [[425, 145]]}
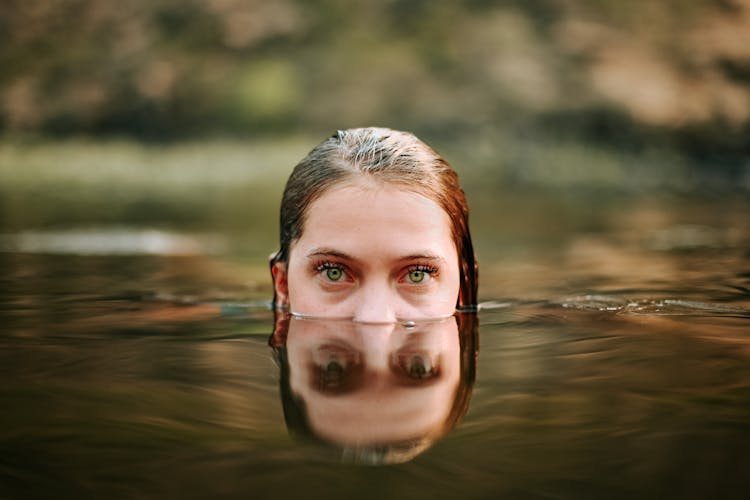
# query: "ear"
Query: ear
{"points": [[278, 337], [280, 284]]}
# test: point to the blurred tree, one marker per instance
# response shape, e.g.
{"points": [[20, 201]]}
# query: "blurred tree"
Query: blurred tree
{"points": [[628, 74]]}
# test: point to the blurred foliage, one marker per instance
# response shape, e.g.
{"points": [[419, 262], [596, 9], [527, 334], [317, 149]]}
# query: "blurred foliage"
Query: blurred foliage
{"points": [[236, 186], [638, 76], [79, 182]]}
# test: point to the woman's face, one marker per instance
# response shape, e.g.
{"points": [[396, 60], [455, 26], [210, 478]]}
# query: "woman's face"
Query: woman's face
{"points": [[372, 252]]}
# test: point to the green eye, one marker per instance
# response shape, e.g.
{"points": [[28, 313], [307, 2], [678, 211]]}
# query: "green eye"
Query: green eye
{"points": [[416, 275], [334, 273]]}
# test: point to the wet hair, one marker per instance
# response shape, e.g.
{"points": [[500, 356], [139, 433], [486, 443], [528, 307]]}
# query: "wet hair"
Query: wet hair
{"points": [[389, 156]]}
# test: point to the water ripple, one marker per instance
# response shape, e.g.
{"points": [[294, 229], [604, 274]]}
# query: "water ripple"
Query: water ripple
{"points": [[665, 307]]}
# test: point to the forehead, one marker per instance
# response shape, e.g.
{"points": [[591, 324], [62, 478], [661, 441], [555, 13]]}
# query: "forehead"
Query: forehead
{"points": [[359, 209]]}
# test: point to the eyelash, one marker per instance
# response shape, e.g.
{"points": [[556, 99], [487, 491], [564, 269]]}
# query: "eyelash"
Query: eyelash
{"points": [[323, 266], [424, 268], [430, 271]]}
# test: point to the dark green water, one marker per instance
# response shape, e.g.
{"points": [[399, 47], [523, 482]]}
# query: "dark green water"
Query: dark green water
{"points": [[614, 362]]}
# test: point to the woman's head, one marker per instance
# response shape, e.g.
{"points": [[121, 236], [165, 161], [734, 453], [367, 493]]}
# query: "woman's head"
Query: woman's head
{"points": [[387, 186]]}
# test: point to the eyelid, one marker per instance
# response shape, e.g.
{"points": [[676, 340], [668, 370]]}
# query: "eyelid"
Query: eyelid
{"points": [[327, 264], [430, 270]]}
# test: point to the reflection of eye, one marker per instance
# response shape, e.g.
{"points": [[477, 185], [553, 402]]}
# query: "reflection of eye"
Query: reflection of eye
{"points": [[418, 368], [334, 367], [332, 373], [417, 365]]}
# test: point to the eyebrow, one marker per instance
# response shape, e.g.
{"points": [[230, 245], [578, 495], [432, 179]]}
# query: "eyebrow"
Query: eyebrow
{"points": [[423, 256], [319, 252], [330, 252]]}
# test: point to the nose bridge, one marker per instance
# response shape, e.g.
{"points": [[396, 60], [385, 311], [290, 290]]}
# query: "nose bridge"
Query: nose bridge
{"points": [[376, 302]]}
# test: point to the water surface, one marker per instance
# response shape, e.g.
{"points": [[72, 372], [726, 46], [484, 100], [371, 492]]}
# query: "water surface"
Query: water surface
{"points": [[614, 362]]}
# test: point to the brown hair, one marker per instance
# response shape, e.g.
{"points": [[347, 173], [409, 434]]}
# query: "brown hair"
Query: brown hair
{"points": [[390, 156]]}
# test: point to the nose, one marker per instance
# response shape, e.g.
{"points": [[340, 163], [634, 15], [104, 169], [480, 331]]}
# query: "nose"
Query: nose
{"points": [[376, 303]]}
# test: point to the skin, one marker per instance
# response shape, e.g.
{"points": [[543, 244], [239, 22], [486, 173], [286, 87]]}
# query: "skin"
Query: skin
{"points": [[373, 253], [372, 394]]}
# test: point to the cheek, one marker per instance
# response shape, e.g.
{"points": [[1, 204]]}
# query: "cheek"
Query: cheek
{"points": [[304, 289], [454, 284], [297, 281]]}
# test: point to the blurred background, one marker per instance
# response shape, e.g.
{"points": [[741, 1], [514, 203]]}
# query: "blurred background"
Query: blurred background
{"points": [[190, 114], [604, 147]]}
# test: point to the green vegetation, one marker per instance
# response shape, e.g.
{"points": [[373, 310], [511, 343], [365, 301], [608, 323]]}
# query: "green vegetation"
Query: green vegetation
{"points": [[631, 75], [208, 184], [236, 185], [192, 113]]}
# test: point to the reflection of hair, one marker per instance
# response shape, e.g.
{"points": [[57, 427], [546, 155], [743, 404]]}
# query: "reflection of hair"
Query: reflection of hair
{"points": [[295, 414], [390, 156]]}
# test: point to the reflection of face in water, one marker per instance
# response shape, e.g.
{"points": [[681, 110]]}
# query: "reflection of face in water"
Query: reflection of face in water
{"points": [[378, 392]]}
